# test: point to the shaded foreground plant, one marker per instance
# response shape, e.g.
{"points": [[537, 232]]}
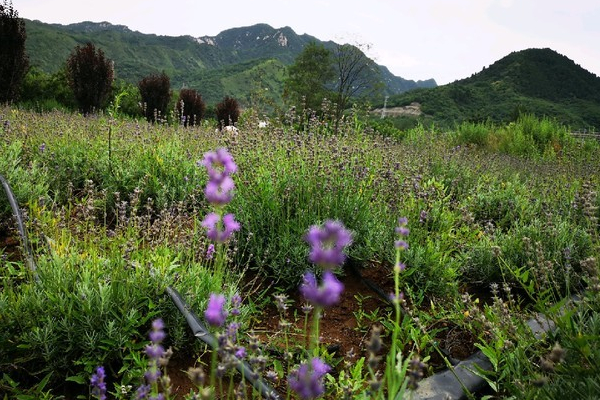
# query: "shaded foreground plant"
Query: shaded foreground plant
{"points": [[90, 76], [15, 61]]}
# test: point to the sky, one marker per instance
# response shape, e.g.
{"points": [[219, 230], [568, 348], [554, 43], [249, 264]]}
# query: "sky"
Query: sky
{"points": [[445, 40]]}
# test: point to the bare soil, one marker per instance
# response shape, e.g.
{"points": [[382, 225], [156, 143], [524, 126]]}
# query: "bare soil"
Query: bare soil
{"points": [[340, 329]]}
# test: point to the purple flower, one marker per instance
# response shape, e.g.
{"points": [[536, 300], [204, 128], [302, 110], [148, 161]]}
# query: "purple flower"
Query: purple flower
{"points": [[232, 330], [219, 192], [240, 353], [401, 244], [307, 380], [157, 334], [401, 229], [325, 295], [328, 243], [155, 351], [423, 216], [142, 392], [42, 147], [215, 313], [98, 384], [210, 251], [236, 302], [230, 225], [399, 267], [219, 164], [152, 375]]}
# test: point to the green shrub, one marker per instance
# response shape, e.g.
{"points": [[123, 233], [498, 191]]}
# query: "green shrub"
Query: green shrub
{"points": [[93, 303], [476, 133], [28, 182]]}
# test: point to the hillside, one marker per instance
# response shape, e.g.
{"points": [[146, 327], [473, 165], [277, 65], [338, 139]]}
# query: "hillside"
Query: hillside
{"points": [[539, 81], [228, 63]]}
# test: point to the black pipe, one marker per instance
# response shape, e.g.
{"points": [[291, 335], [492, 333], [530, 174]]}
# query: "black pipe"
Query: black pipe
{"points": [[20, 225], [202, 333]]}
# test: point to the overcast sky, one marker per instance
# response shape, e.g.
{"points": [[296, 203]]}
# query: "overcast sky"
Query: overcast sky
{"points": [[418, 39]]}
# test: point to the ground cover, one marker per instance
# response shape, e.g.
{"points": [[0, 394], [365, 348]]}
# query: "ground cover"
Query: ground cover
{"points": [[115, 208]]}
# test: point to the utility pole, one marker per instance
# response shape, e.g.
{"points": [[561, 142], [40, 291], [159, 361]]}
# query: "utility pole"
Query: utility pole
{"points": [[384, 106]]}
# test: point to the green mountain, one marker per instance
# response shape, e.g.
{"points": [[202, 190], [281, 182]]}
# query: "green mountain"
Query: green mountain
{"points": [[538, 81], [246, 62]]}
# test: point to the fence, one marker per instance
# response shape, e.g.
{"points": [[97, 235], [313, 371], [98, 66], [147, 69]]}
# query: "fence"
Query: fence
{"points": [[586, 135]]}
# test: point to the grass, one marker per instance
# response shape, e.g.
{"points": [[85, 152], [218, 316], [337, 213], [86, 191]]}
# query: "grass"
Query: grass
{"points": [[112, 225]]}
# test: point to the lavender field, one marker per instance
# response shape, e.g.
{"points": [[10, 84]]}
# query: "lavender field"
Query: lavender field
{"points": [[477, 229]]}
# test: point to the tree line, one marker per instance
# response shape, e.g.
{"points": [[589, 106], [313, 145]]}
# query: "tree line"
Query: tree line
{"points": [[340, 74]]}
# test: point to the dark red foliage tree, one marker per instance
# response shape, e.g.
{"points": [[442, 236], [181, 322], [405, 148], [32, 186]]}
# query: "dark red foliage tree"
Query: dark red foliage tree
{"points": [[14, 62], [190, 107], [228, 112], [90, 75], [155, 91]]}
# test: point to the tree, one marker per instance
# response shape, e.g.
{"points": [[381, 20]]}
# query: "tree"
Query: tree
{"points": [[341, 74], [308, 78], [228, 112], [190, 107], [357, 76], [14, 62], [90, 75], [155, 91]]}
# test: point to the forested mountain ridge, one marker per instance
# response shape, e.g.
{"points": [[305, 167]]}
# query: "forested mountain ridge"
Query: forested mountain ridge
{"points": [[234, 62], [538, 81]]}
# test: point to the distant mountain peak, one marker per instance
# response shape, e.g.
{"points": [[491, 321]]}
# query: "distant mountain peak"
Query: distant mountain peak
{"points": [[91, 27], [248, 36]]}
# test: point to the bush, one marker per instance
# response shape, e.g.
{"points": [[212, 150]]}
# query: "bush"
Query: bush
{"points": [[155, 91], [15, 62], [190, 107], [46, 92], [473, 133], [90, 76], [228, 112]]}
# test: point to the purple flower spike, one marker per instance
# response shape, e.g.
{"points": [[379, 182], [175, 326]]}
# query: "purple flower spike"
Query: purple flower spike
{"points": [[236, 302], [325, 295], [401, 244], [98, 384], [219, 192], [157, 334], [210, 251], [230, 225], [307, 381], [142, 392], [241, 353], [215, 313], [401, 229], [328, 243], [219, 164], [155, 351]]}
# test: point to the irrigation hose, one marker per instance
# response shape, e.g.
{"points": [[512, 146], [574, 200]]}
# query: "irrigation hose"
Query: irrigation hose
{"points": [[20, 225], [203, 334]]}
